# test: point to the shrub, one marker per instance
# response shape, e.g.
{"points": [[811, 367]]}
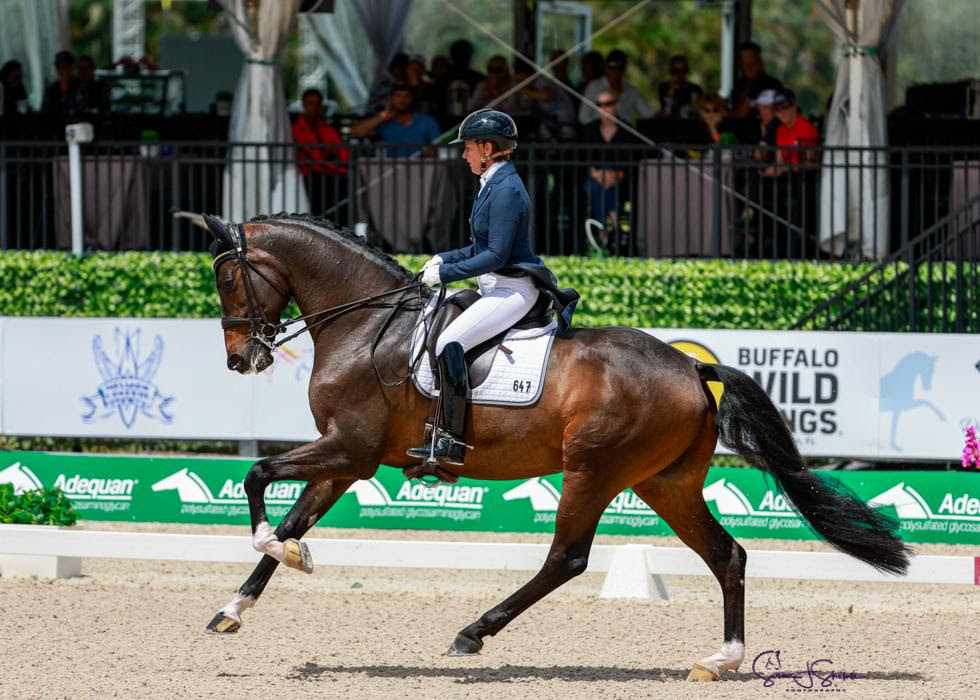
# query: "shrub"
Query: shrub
{"points": [[615, 291], [39, 507]]}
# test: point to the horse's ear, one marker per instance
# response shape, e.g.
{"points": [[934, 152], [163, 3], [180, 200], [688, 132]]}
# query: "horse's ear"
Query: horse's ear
{"points": [[219, 230]]}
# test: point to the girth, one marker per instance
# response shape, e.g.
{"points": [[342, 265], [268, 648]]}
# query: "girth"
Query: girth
{"points": [[479, 360]]}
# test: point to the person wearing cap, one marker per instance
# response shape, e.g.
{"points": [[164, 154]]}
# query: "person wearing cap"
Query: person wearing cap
{"points": [[794, 131], [632, 106], [508, 274], [753, 80], [765, 107]]}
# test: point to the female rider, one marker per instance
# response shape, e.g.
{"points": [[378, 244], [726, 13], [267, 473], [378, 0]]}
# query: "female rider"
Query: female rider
{"points": [[499, 221]]}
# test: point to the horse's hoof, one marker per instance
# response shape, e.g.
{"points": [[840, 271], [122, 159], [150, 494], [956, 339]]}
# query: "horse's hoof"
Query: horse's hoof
{"points": [[222, 624], [701, 673], [464, 646], [296, 555]]}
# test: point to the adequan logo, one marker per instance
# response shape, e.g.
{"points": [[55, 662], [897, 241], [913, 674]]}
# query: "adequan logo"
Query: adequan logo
{"points": [[20, 477], [127, 388], [544, 498], [371, 492], [80, 488], [192, 489], [910, 505], [730, 500]]}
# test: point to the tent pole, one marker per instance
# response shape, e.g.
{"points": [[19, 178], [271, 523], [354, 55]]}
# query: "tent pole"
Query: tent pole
{"points": [[727, 48], [855, 76]]}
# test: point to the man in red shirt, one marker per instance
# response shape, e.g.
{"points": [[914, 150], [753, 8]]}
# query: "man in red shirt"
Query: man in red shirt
{"points": [[311, 128], [322, 168], [794, 131]]}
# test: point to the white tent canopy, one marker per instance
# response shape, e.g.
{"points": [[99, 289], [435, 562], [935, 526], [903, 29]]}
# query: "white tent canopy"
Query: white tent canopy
{"points": [[260, 178], [854, 185], [33, 31]]}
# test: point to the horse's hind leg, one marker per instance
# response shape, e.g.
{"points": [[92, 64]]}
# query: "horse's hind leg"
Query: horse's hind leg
{"points": [[584, 496], [675, 494], [317, 498]]}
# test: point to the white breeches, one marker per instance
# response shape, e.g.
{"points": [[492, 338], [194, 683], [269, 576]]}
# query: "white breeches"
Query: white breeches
{"points": [[504, 301]]}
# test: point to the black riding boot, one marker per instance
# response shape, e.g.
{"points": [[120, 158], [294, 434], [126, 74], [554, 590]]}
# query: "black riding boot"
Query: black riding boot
{"points": [[454, 387]]}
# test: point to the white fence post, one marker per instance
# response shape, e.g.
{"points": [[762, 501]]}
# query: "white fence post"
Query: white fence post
{"points": [[76, 134]]}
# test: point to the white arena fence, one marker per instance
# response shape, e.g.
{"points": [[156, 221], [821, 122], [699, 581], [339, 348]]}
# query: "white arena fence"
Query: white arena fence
{"points": [[632, 570]]}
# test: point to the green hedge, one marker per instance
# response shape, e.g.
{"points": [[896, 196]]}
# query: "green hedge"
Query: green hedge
{"points": [[615, 291], [38, 507]]}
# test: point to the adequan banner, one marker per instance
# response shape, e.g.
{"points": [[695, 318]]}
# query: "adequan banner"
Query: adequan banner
{"points": [[931, 506], [864, 395]]}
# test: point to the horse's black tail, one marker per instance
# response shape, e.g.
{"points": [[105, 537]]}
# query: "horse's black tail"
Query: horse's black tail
{"points": [[749, 424]]}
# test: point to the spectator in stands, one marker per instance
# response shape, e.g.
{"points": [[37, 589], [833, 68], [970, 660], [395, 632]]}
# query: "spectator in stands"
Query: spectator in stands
{"points": [[416, 78], [399, 123], [493, 86], [394, 75], [753, 80], [560, 69], [434, 99], [547, 110], [592, 66], [765, 107], [794, 132], [608, 170], [12, 86], [678, 96], [711, 112], [321, 165], [93, 94], [61, 97], [631, 105], [456, 90]]}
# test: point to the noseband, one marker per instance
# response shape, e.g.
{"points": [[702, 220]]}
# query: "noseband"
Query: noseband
{"points": [[265, 331], [260, 328]]}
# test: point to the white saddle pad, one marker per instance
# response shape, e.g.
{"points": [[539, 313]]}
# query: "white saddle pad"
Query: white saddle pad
{"points": [[514, 380]]}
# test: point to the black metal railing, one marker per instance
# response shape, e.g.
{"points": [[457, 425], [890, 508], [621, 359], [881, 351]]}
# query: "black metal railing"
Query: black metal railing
{"points": [[932, 284], [731, 201]]}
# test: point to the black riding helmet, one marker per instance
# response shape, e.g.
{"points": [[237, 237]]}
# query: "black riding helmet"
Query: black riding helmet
{"points": [[489, 125]]}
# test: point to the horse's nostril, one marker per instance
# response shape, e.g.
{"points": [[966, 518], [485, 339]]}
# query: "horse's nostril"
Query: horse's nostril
{"points": [[234, 362]]}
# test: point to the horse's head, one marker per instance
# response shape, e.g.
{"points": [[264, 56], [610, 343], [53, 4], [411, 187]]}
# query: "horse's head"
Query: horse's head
{"points": [[253, 291]]}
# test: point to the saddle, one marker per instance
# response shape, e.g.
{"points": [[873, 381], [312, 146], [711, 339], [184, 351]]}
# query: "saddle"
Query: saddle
{"points": [[479, 360]]}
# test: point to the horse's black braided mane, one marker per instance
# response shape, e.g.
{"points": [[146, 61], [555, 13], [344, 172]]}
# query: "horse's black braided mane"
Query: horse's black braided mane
{"points": [[343, 233]]}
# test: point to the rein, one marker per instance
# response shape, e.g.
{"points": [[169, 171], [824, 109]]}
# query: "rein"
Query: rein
{"points": [[266, 332]]}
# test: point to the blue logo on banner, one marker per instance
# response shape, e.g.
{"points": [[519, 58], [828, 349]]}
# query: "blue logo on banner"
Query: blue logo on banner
{"points": [[127, 382], [898, 389]]}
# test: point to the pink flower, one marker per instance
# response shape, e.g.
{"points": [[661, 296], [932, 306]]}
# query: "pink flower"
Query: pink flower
{"points": [[971, 451]]}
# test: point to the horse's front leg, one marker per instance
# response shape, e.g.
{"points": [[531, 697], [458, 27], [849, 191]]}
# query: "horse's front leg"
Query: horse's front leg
{"points": [[317, 498], [320, 460]]}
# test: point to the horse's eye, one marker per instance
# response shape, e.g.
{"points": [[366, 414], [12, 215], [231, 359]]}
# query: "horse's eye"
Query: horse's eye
{"points": [[228, 284]]}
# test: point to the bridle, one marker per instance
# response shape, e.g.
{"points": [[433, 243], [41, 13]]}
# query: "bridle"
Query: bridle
{"points": [[266, 332]]}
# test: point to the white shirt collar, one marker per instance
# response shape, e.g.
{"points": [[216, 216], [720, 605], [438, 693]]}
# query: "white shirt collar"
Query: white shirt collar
{"points": [[488, 173]]}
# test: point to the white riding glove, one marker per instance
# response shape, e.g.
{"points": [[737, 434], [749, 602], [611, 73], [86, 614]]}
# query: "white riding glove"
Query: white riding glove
{"points": [[435, 260], [430, 276]]}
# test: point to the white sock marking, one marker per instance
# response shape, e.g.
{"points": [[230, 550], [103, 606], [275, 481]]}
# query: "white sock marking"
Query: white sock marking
{"points": [[237, 606], [264, 540], [728, 658]]}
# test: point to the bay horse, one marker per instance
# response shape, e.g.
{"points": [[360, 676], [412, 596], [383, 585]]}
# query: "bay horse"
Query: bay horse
{"points": [[619, 409]]}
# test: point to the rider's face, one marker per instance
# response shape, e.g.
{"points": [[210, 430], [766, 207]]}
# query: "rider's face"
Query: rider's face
{"points": [[473, 152]]}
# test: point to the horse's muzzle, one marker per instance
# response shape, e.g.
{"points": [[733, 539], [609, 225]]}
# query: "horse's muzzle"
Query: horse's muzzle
{"points": [[255, 358]]}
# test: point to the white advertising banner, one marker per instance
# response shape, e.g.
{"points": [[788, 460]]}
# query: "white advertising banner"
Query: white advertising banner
{"points": [[864, 395]]}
